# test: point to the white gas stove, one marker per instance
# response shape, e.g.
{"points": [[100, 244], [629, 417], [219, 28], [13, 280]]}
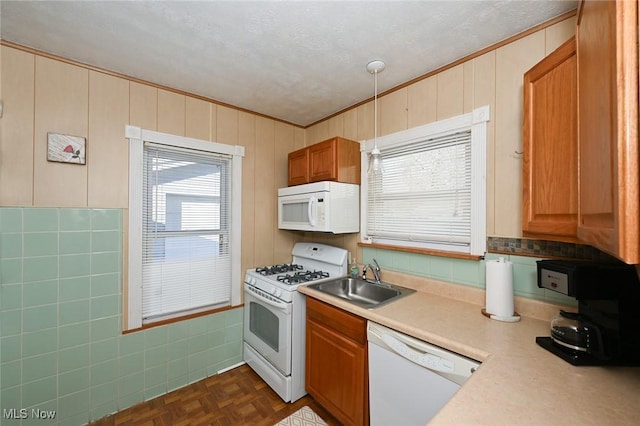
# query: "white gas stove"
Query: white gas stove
{"points": [[311, 263], [274, 315]]}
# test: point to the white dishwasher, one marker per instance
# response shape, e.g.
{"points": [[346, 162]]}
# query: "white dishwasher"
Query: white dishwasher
{"points": [[410, 380]]}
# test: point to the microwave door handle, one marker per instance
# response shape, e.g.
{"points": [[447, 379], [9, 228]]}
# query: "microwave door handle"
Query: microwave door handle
{"points": [[311, 211]]}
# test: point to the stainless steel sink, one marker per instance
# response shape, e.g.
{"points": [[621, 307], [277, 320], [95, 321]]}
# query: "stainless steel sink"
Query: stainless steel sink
{"points": [[366, 294]]}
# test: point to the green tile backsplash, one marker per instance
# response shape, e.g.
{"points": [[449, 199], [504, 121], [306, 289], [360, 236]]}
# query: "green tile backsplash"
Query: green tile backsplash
{"points": [[61, 348], [466, 272]]}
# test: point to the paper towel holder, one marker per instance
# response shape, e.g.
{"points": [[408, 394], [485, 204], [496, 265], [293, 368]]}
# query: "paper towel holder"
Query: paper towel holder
{"points": [[499, 291], [513, 318]]}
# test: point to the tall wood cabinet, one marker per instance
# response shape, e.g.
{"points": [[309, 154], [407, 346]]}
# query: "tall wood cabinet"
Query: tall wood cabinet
{"points": [[336, 159], [607, 55], [550, 144], [336, 364]]}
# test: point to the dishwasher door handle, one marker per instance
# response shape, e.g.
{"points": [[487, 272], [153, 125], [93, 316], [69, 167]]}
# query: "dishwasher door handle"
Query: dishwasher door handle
{"points": [[424, 359]]}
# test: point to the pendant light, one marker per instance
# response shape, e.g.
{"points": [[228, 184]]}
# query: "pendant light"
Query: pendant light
{"points": [[375, 159]]}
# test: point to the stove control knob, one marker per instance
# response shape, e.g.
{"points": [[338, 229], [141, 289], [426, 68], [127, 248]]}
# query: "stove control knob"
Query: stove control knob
{"points": [[277, 292], [252, 280]]}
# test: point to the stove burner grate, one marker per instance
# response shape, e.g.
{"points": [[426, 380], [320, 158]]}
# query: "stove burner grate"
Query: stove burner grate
{"points": [[302, 277], [278, 269]]}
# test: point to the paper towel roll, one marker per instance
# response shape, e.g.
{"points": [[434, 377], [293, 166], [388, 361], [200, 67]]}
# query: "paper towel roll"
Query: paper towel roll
{"points": [[499, 294]]}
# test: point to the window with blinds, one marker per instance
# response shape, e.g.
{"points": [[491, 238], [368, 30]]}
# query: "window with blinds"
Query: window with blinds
{"points": [[430, 193], [424, 193], [184, 240], [186, 262]]}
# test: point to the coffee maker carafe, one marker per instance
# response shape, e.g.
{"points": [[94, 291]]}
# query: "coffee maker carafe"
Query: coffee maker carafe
{"points": [[606, 328]]}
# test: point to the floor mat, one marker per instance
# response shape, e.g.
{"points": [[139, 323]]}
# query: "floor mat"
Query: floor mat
{"points": [[303, 417]]}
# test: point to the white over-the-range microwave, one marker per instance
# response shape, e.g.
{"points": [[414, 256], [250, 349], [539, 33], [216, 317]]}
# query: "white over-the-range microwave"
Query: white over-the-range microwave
{"points": [[320, 206]]}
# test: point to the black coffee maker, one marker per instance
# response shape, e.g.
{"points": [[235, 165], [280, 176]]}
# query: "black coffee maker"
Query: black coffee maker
{"points": [[606, 328]]}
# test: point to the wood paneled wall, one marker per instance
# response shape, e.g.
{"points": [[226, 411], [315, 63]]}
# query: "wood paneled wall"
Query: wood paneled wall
{"points": [[495, 79], [43, 95]]}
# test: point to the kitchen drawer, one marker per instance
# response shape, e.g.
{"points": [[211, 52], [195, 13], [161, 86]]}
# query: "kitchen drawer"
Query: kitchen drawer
{"points": [[350, 325]]}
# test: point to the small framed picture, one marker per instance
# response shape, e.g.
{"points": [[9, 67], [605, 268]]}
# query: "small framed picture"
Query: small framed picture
{"points": [[66, 149]]}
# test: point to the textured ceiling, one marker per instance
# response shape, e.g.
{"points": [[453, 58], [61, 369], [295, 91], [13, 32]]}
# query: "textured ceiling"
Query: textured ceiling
{"points": [[298, 61]]}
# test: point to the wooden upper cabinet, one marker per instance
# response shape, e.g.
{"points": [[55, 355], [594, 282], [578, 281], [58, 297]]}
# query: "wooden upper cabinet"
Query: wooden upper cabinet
{"points": [[323, 161], [550, 161], [607, 53], [298, 167], [336, 159]]}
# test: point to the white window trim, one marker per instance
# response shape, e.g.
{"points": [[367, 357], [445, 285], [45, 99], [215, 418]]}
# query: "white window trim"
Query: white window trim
{"points": [[137, 137], [476, 121]]}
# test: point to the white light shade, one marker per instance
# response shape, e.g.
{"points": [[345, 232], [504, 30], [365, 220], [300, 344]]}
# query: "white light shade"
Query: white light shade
{"points": [[375, 161]]}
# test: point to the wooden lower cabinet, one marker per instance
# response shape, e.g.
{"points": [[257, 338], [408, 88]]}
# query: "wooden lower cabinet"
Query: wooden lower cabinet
{"points": [[336, 364]]}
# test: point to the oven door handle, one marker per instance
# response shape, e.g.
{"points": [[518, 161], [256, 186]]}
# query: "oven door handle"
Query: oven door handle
{"points": [[283, 306]]}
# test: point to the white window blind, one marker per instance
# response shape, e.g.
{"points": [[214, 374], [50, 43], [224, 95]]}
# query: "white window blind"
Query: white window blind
{"points": [[186, 260], [424, 193], [431, 193]]}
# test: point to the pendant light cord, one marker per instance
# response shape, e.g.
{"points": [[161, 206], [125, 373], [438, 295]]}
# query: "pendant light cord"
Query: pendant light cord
{"points": [[375, 109]]}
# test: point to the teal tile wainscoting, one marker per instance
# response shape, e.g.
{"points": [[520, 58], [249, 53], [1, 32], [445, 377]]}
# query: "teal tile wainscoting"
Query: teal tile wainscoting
{"points": [[61, 346], [466, 272]]}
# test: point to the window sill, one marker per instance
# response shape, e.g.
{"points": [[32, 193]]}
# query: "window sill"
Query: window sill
{"points": [[180, 318], [440, 253]]}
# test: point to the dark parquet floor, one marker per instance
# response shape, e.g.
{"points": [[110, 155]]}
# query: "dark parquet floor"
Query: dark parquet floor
{"points": [[233, 398]]}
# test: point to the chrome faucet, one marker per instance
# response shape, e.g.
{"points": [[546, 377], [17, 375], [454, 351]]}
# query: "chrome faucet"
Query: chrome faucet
{"points": [[375, 269]]}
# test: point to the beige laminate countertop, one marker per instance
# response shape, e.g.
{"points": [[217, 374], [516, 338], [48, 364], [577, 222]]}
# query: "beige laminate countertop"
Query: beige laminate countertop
{"points": [[518, 383]]}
